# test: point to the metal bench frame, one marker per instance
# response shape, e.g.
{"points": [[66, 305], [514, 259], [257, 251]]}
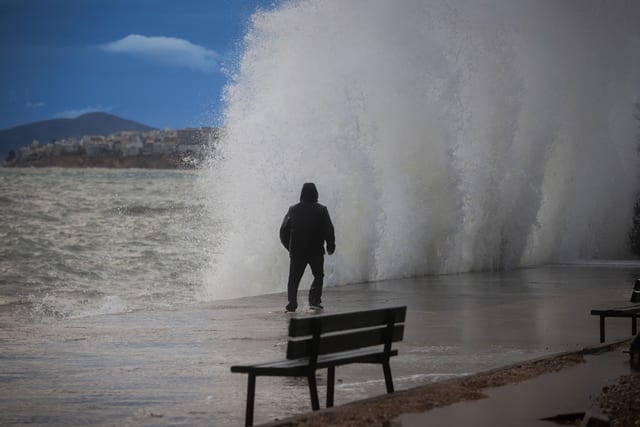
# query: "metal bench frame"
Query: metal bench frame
{"points": [[630, 311], [330, 340]]}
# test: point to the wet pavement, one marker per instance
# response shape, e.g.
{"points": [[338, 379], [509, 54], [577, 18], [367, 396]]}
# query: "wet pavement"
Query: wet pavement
{"points": [[567, 394], [172, 367]]}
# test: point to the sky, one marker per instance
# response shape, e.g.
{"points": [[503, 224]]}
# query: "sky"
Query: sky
{"points": [[162, 63]]}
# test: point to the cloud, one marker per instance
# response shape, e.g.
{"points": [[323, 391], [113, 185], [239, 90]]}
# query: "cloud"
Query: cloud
{"points": [[168, 51], [35, 105], [71, 114]]}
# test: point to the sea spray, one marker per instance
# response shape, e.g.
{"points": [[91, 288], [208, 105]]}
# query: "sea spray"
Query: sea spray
{"points": [[444, 136]]}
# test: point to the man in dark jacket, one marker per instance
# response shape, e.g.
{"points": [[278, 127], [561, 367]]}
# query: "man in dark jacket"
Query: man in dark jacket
{"points": [[305, 228]]}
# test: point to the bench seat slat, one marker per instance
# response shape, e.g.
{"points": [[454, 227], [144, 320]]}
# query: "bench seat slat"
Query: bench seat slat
{"points": [[299, 367], [627, 311], [302, 326], [343, 342]]}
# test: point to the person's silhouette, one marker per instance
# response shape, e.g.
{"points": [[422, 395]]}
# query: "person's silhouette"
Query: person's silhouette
{"points": [[305, 228]]}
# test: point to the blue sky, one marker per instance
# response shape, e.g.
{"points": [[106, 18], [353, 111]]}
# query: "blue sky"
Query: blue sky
{"points": [[159, 62]]}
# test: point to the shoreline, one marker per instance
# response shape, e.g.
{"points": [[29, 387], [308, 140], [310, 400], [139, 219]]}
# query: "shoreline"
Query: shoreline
{"points": [[159, 162]]}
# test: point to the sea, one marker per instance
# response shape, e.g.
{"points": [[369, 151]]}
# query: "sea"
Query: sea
{"points": [[108, 317], [84, 242]]}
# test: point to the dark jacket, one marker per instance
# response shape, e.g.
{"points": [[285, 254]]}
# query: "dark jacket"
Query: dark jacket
{"points": [[307, 225]]}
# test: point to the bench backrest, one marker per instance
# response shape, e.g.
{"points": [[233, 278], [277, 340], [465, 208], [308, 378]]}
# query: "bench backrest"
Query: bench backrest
{"points": [[331, 333]]}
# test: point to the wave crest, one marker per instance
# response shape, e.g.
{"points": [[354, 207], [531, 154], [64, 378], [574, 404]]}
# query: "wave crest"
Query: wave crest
{"points": [[444, 136]]}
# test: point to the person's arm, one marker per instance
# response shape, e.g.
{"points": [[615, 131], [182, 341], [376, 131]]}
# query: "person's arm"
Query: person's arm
{"points": [[285, 231], [329, 232]]}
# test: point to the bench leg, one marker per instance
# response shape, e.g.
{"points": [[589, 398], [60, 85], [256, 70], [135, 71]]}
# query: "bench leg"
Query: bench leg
{"points": [[601, 328], [387, 376], [634, 325], [313, 391], [331, 377], [251, 392]]}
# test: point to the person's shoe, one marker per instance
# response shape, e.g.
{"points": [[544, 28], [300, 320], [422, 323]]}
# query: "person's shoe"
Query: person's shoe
{"points": [[289, 310], [316, 307]]}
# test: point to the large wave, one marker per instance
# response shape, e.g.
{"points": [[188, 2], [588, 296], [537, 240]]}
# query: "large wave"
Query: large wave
{"points": [[444, 136]]}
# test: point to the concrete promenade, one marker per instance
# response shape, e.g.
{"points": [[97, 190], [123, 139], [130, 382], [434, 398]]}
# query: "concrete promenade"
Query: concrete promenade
{"points": [[172, 367]]}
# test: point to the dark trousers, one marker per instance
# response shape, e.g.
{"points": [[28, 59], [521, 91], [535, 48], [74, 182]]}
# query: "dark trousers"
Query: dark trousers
{"points": [[297, 265]]}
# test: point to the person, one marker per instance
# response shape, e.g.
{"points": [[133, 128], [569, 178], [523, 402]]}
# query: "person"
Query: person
{"points": [[305, 229]]}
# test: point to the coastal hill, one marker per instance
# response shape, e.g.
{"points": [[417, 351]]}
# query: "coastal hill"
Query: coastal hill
{"points": [[56, 129]]}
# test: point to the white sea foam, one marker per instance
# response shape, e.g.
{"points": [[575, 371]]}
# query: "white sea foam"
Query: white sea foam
{"points": [[444, 136], [53, 307], [111, 304]]}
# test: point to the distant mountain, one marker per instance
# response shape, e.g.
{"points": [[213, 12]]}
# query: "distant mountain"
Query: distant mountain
{"points": [[54, 129]]}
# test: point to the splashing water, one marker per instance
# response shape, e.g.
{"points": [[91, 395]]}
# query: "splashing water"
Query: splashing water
{"points": [[444, 136]]}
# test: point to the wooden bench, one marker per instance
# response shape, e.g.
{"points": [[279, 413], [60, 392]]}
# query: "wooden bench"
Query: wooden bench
{"points": [[329, 340], [630, 311]]}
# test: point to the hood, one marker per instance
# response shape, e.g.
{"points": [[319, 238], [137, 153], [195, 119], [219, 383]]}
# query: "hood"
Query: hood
{"points": [[309, 192]]}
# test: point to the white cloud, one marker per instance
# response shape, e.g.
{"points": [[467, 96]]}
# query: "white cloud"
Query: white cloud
{"points": [[34, 105], [166, 50], [71, 114]]}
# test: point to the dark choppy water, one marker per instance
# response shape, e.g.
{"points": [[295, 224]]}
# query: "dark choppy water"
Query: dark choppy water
{"points": [[81, 242]]}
